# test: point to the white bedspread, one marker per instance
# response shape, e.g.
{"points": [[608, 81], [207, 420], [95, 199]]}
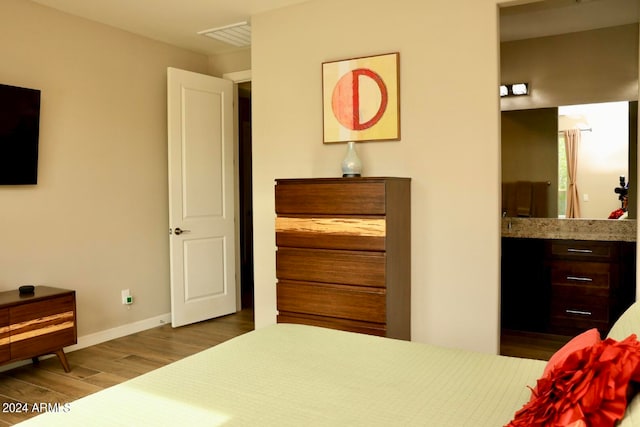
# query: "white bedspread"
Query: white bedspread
{"points": [[296, 375]]}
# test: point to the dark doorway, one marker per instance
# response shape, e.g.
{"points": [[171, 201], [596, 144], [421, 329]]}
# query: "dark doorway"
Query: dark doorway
{"points": [[246, 195]]}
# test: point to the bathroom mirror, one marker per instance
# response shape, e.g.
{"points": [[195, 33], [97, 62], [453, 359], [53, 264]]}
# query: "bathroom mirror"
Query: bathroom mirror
{"points": [[570, 53]]}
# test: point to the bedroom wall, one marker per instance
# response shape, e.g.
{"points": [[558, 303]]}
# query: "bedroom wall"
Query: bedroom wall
{"points": [[97, 220], [449, 146]]}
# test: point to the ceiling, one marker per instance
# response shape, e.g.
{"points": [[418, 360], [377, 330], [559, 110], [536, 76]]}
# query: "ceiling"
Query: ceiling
{"points": [[171, 21], [551, 17], [178, 22]]}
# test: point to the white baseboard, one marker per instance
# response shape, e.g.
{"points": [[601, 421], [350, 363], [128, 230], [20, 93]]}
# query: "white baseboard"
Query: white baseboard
{"points": [[103, 336], [120, 331]]}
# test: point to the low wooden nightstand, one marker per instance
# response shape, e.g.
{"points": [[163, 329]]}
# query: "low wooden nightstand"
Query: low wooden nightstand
{"points": [[36, 324]]}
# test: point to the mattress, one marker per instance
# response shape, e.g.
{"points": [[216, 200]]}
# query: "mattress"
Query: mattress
{"points": [[297, 375]]}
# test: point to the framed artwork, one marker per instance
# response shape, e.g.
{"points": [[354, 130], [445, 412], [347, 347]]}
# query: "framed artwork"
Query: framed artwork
{"points": [[361, 99]]}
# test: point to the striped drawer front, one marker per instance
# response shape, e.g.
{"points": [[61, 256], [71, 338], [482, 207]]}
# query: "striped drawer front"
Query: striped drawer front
{"points": [[328, 266], [41, 327], [335, 233], [337, 301], [5, 354]]}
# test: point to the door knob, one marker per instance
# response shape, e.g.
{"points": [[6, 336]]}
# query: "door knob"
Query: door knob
{"points": [[178, 231]]}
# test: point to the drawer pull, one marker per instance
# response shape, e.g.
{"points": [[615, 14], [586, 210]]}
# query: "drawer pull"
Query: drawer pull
{"points": [[580, 251], [580, 279], [579, 312]]}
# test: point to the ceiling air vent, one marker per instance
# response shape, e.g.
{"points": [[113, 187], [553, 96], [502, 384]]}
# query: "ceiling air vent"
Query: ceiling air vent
{"points": [[235, 34]]}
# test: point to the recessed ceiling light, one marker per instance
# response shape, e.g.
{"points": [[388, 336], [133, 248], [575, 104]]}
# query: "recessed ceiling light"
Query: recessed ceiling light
{"points": [[238, 34]]}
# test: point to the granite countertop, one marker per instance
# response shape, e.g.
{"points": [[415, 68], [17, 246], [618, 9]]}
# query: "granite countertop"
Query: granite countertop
{"points": [[575, 229]]}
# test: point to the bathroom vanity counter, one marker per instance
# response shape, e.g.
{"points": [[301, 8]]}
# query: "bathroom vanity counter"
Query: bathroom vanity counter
{"points": [[566, 279], [574, 229]]}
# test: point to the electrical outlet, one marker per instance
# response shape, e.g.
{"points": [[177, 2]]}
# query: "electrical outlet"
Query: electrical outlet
{"points": [[127, 299]]}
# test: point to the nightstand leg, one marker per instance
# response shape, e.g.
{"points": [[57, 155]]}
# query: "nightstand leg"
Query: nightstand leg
{"points": [[63, 360]]}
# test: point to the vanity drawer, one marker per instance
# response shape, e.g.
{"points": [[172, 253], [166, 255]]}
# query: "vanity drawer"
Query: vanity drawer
{"points": [[572, 313], [343, 198], [336, 301], [584, 274], [584, 250], [580, 301], [357, 268]]}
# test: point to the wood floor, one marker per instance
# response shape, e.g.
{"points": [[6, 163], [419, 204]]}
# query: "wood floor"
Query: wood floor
{"points": [[530, 345], [110, 363]]}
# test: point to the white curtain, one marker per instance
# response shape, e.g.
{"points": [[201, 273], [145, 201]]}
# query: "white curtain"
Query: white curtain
{"points": [[572, 145]]}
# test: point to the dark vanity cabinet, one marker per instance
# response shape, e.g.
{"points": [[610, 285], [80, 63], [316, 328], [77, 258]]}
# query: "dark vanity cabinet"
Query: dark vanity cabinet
{"points": [[592, 283], [526, 292], [565, 287]]}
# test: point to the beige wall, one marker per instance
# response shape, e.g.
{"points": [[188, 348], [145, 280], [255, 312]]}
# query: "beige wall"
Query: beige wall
{"points": [[97, 220], [449, 147], [603, 68], [229, 62]]}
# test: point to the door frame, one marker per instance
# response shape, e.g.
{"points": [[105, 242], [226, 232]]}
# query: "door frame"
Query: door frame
{"points": [[237, 77]]}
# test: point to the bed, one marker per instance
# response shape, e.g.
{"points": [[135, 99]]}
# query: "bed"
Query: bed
{"points": [[296, 375]]}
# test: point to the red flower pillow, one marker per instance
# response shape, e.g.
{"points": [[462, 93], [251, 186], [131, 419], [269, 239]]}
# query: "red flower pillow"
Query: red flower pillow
{"points": [[588, 388], [585, 339]]}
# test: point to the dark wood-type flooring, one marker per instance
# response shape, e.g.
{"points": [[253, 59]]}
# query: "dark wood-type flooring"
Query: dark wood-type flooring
{"points": [[530, 345], [112, 362]]}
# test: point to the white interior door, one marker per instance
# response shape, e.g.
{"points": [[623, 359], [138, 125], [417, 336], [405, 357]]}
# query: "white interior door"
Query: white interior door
{"points": [[201, 198]]}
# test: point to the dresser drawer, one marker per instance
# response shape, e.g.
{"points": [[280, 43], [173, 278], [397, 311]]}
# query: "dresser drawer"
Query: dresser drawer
{"points": [[339, 301], [36, 311], [331, 232], [357, 268], [584, 250], [333, 198], [5, 354], [42, 327], [587, 274], [350, 325]]}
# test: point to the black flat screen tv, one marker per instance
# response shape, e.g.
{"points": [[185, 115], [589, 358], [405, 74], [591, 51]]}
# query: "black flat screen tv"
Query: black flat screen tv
{"points": [[19, 133]]}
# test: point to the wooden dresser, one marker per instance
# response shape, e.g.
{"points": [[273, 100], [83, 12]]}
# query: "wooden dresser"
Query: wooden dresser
{"points": [[36, 324], [344, 254]]}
